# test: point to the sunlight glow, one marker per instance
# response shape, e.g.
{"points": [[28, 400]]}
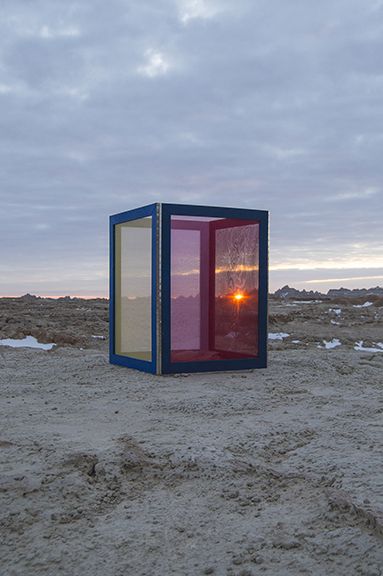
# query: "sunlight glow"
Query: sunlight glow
{"points": [[344, 279], [329, 265], [239, 268]]}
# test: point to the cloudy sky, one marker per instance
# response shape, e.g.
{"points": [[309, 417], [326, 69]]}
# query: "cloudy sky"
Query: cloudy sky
{"points": [[265, 104]]}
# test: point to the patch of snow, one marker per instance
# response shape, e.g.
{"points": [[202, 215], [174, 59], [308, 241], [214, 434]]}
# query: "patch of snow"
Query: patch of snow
{"points": [[100, 337], [278, 336], [359, 346], [363, 305], [334, 342], [333, 322], [335, 310], [27, 342], [295, 341]]}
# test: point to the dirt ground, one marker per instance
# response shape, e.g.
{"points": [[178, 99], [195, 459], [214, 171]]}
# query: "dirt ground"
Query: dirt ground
{"points": [[106, 470]]}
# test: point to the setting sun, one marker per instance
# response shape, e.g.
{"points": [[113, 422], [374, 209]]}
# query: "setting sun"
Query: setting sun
{"points": [[238, 296]]}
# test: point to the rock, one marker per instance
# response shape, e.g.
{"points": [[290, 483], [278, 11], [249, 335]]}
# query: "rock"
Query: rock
{"points": [[287, 544], [245, 572]]}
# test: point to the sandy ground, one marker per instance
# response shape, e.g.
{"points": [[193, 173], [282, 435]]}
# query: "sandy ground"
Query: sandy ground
{"points": [[105, 470]]}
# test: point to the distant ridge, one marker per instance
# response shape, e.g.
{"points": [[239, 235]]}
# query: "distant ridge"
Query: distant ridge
{"points": [[333, 293], [287, 293]]}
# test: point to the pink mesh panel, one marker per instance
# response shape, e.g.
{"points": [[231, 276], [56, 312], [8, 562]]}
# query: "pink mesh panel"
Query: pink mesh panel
{"points": [[185, 289]]}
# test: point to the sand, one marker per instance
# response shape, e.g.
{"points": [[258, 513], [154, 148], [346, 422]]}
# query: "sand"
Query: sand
{"points": [[105, 470]]}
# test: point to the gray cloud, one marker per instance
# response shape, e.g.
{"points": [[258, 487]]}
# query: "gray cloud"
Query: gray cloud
{"points": [[109, 106]]}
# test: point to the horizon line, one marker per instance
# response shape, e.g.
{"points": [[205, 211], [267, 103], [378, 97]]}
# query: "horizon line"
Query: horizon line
{"points": [[93, 297]]}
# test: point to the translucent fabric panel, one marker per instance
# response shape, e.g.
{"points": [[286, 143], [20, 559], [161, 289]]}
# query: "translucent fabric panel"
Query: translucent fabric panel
{"points": [[214, 288], [236, 246], [133, 269], [189, 276], [185, 289]]}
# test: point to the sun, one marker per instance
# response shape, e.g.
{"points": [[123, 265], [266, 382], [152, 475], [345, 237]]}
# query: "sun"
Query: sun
{"points": [[238, 296]]}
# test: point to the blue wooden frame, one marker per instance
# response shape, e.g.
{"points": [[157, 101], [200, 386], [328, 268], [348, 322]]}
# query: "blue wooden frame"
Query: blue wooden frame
{"points": [[262, 216], [146, 366], [161, 255]]}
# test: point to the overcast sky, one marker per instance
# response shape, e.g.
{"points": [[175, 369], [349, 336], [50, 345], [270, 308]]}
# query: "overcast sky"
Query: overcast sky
{"points": [[265, 104]]}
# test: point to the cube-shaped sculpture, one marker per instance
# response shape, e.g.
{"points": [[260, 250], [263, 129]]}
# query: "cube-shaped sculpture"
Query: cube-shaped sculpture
{"points": [[188, 288]]}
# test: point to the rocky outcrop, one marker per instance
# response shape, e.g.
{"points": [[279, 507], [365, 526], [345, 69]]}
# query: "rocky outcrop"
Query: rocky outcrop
{"points": [[287, 293]]}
